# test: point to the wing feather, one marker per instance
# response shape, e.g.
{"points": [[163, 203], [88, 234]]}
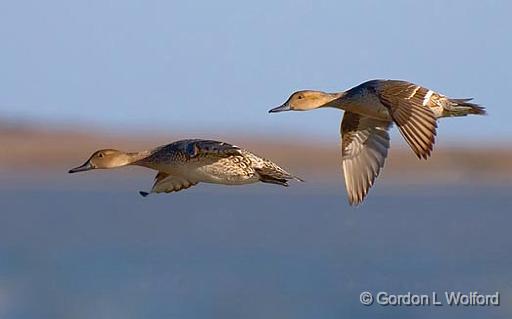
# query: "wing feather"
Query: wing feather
{"points": [[165, 183], [408, 105], [365, 144], [211, 148]]}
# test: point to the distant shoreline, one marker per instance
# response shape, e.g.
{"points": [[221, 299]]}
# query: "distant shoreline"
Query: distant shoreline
{"points": [[35, 149]]}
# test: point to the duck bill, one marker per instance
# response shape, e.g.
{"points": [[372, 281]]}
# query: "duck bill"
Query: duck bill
{"points": [[86, 167], [282, 108]]}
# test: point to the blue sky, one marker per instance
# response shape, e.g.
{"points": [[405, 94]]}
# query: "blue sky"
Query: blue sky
{"points": [[220, 65]]}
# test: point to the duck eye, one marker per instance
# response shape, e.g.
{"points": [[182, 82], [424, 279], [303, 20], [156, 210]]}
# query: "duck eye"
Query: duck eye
{"points": [[100, 155], [299, 97]]}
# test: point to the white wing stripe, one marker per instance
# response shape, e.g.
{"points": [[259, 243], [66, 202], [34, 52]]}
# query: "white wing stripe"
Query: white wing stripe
{"points": [[427, 97]]}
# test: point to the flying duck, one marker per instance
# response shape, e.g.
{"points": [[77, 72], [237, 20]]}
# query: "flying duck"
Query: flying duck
{"points": [[370, 110], [185, 163]]}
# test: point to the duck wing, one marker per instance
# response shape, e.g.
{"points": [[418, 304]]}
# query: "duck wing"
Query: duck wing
{"points": [[195, 148], [408, 106], [365, 144], [165, 183], [193, 152]]}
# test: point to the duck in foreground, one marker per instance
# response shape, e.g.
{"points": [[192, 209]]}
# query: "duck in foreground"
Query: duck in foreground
{"points": [[185, 163], [370, 110]]}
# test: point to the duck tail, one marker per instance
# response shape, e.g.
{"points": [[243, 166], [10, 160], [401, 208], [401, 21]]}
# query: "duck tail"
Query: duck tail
{"points": [[264, 178], [275, 175], [462, 107]]}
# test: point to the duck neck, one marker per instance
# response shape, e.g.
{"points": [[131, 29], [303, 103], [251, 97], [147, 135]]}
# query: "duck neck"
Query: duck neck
{"points": [[137, 158], [333, 99]]}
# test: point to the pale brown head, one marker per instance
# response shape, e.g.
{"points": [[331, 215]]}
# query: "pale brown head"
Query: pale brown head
{"points": [[305, 100], [107, 158]]}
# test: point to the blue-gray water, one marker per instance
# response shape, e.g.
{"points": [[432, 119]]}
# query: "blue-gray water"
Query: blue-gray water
{"points": [[249, 252]]}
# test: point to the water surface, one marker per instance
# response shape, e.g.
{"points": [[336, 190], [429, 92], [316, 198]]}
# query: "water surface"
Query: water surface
{"points": [[69, 251]]}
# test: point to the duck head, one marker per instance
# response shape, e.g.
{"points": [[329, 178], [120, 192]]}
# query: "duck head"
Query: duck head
{"points": [[107, 158], [306, 100]]}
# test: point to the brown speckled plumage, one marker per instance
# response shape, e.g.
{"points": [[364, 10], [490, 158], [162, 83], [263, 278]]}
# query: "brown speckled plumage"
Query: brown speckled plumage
{"points": [[185, 163]]}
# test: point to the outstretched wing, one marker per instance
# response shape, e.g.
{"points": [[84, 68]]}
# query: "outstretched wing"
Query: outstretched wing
{"points": [[165, 183], [365, 144], [408, 105]]}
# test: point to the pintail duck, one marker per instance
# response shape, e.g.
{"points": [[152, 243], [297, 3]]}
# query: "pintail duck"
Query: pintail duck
{"points": [[185, 163], [370, 110]]}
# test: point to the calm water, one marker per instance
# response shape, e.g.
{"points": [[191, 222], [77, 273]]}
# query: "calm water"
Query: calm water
{"points": [[249, 252]]}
